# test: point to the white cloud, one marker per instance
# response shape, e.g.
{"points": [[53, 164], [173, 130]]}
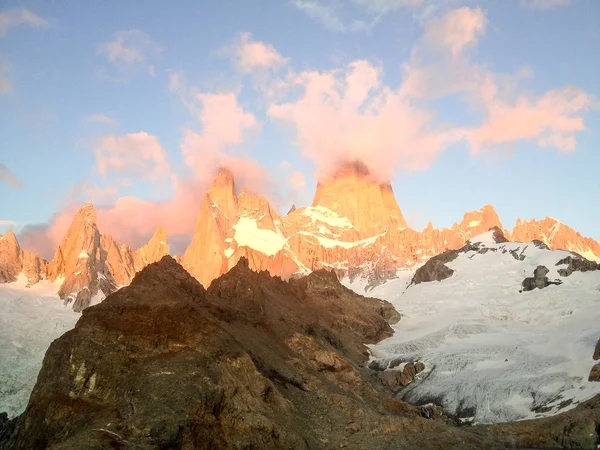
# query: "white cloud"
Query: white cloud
{"points": [[329, 16], [131, 48], [15, 17], [546, 4], [386, 6], [101, 118], [363, 15], [9, 223]]}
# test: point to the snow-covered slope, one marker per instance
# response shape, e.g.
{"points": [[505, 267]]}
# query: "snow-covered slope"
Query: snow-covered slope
{"points": [[493, 353], [30, 319]]}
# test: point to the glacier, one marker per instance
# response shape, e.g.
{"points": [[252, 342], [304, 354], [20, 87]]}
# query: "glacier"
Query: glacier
{"points": [[30, 319], [494, 354]]}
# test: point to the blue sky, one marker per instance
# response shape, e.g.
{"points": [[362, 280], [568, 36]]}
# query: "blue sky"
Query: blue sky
{"points": [[461, 103]]}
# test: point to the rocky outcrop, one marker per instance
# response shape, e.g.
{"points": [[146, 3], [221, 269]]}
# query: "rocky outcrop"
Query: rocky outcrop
{"points": [[252, 362], [539, 280], [401, 376], [595, 372], [576, 263], [14, 260]]}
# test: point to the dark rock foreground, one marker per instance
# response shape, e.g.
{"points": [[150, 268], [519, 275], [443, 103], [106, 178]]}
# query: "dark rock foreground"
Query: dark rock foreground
{"points": [[252, 362]]}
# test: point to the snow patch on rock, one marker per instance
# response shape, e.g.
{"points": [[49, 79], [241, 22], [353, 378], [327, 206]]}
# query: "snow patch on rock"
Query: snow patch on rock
{"points": [[248, 234]]}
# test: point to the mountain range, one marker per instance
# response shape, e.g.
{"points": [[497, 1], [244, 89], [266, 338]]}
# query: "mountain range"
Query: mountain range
{"points": [[354, 227]]}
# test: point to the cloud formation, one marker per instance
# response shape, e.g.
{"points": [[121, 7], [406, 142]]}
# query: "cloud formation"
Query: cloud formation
{"points": [[131, 48], [250, 56], [456, 30], [223, 128], [7, 177], [101, 118], [546, 4], [140, 154], [343, 113], [17, 17], [5, 84], [360, 15], [328, 14], [349, 113]]}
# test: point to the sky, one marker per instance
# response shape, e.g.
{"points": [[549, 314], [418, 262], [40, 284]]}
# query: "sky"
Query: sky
{"points": [[458, 103]]}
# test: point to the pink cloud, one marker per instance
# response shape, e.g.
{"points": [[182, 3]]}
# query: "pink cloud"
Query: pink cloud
{"points": [[456, 29], [130, 46], [225, 126], [297, 181], [249, 55], [348, 114], [509, 113], [140, 154], [550, 121]]}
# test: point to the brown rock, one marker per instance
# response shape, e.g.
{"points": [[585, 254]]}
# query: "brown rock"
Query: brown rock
{"points": [[252, 362], [595, 373], [597, 351], [396, 378]]}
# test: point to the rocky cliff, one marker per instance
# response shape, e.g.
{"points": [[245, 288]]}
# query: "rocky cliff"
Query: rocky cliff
{"points": [[252, 362]]}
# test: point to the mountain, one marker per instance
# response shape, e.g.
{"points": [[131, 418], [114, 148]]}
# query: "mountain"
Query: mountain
{"points": [[354, 226], [506, 330], [87, 264], [353, 193], [556, 235], [257, 362], [14, 260]]}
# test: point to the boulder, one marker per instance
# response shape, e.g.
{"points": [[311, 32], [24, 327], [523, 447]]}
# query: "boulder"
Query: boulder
{"points": [[539, 280]]}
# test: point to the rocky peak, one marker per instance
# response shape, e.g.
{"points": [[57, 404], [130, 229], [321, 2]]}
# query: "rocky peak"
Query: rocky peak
{"points": [[10, 238], [10, 258], [498, 235], [556, 235], [353, 193], [223, 194], [154, 250], [14, 260], [81, 260]]}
